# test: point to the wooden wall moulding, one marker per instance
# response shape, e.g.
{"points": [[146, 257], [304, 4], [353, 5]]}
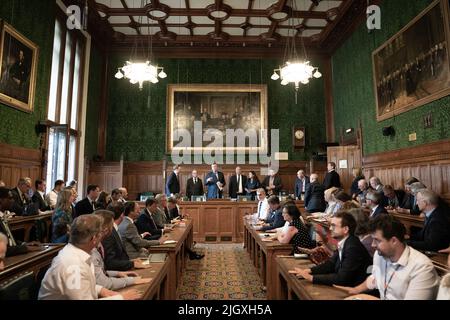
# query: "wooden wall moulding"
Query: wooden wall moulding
{"points": [[17, 162]]}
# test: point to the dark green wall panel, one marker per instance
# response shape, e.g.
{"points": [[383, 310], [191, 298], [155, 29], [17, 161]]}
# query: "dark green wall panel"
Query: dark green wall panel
{"points": [[35, 20], [137, 119], [354, 93]]}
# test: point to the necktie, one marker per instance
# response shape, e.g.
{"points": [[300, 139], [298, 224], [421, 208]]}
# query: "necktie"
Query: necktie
{"points": [[259, 209], [303, 185], [24, 199], [239, 184], [195, 180], [217, 176], [93, 205]]}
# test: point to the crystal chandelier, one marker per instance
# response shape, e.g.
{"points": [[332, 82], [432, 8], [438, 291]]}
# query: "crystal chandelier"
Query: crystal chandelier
{"points": [[295, 70], [137, 71]]}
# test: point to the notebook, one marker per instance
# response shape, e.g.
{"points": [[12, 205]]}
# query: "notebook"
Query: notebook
{"points": [[157, 257]]}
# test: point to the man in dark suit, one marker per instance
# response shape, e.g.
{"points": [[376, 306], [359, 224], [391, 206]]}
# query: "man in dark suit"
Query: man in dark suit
{"points": [[435, 234], [194, 186], [348, 265], [145, 222], [173, 182], [21, 197], [236, 184], [215, 182], [87, 205], [314, 195], [39, 195], [332, 178], [374, 201], [14, 247], [275, 217], [301, 183], [116, 257], [272, 183]]}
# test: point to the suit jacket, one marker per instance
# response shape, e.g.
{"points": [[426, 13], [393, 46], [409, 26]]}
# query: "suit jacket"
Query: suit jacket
{"points": [[233, 186], [275, 220], [332, 179], [145, 223], [315, 198], [132, 240], [435, 234], [173, 184], [41, 202], [407, 201], [194, 189], [378, 211], [351, 270], [19, 205], [18, 247], [354, 187], [116, 257], [276, 182], [83, 207], [299, 186], [213, 189]]}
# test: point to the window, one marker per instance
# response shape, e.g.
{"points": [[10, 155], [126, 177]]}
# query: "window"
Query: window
{"points": [[64, 103]]}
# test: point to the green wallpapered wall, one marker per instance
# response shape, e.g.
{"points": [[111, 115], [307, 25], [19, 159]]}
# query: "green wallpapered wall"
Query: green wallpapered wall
{"points": [[93, 102], [137, 119], [36, 21], [353, 87]]}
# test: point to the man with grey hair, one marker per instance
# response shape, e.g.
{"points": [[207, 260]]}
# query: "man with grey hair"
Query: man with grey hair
{"points": [[301, 183], [123, 195], [435, 234], [3, 246], [161, 216], [21, 197], [71, 275], [375, 184], [414, 189]]}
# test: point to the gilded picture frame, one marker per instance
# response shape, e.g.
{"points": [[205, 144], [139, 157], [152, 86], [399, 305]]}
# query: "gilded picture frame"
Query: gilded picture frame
{"points": [[220, 107], [18, 64], [412, 68]]}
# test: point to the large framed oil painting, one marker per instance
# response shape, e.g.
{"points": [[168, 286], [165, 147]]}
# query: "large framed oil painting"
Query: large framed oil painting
{"points": [[18, 62], [412, 68], [201, 108]]}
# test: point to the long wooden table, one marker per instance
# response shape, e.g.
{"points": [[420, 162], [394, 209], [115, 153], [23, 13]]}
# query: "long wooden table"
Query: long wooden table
{"points": [[26, 223], [263, 254], [409, 220], [176, 251], [290, 287], [158, 288]]}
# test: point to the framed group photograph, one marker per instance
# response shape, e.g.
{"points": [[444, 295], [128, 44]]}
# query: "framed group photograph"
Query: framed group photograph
{"points": [[18, 63], [412, 68], [217, 108]]}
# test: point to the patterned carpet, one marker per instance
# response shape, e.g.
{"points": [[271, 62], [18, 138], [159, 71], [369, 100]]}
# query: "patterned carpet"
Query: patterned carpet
{"points": [[226, 272]]}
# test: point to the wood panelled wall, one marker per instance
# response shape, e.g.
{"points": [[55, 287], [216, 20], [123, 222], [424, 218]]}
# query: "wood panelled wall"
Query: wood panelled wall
{"points": [[17, 162], [429, 163], [145, 176]]}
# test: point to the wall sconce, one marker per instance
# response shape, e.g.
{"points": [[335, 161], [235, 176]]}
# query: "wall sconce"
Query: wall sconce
{"points": [[349, 130]]}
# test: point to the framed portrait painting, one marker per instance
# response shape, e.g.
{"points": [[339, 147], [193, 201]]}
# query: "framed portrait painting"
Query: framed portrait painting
{"points": [[220, 110], [18, 63], [412, 68]]}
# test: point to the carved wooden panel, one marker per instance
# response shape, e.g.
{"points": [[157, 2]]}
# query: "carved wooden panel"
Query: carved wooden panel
{"points": [[17, 162]]}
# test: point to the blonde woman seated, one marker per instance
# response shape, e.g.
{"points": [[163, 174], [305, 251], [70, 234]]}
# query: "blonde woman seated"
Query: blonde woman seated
{"points": [[62, 217], [331, 203], [294, 231]]}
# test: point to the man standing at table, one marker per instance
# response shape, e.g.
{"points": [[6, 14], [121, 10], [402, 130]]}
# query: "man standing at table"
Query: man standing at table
{"points": [[215, 182], [173, 182], [194, 186], [236, 185], [301, 182]]}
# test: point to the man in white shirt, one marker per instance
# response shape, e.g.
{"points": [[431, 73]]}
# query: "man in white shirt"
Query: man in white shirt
{"points": [[399, 271], [262, 210], [71, 275], [52, 196]]}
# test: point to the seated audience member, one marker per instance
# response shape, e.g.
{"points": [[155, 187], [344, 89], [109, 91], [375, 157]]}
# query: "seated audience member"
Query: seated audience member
{"points": [[14, 247], [275, 219], [363, 188], [294, 231], [58, 282], [329, 196], [435, 234], [408, 199], [375, 184], [252, 184], [145, 222], [341, 198], [392, 197], [123, 194], [39, 195], [3, 248], [444, 288], [362, 229], [173, 207], [52, 196], [194, 186], [104, 199], [135, 244], [87, 205], [374, 201], [112, 280], [414, 187], [62, 217], [116, 196], [314, 195], [116, 257], [74, 200], [358, 175], [348, 265], [21, 197], [263, 208], [161, 215], [399, 272]]}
